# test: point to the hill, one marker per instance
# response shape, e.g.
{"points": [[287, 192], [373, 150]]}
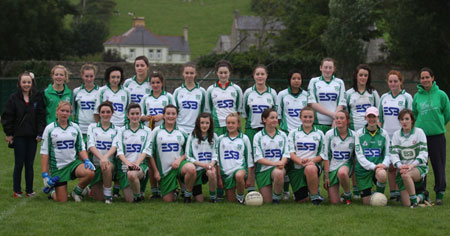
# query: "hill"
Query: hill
{"points": [[206, 19]]}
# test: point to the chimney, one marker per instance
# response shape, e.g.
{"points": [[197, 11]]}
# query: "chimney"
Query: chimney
{"points": [[185, 33], [138, 21], [236, 14]]}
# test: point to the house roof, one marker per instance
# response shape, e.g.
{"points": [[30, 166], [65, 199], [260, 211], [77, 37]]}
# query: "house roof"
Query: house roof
{"points": [[256, 23], [141, 36]]}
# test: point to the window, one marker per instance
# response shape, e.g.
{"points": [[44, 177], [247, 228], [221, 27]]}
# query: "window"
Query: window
{"points": [[169, 57], [150, 54], [132, 53], [158, 54], [183, 57]]}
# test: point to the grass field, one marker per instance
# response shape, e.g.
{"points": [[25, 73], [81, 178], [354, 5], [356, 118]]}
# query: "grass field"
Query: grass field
{"points": [[206, 19], [39, 216]]}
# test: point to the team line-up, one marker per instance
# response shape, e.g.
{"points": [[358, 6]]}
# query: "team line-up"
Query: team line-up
{"points": [[131, 132]]}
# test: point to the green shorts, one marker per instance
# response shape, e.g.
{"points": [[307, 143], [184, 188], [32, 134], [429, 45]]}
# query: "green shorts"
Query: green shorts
{"points": [[324, 128], [117, 166], [333, 174], [98, 175], [122, 176], [169, 183], [250, 132], [423, 170], [229, 181], [202, 178], [67, 172], [220, 130], [365, 179], [297, 177], [264, 178]]}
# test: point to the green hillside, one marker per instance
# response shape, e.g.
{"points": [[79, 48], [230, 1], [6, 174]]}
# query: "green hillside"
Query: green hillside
{"points": [[206, 19]]}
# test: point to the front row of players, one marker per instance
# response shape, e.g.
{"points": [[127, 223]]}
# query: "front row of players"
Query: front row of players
{"points": [[228, 162]]}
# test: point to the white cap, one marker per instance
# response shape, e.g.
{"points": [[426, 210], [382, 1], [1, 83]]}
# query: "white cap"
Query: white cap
{"points": [[372, 110]]}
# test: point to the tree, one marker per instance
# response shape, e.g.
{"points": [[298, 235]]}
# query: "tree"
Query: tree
{"points": [[349, 26], [34, 29]]}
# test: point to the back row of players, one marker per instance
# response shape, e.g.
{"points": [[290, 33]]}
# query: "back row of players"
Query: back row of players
{"points": [[175, 155]]}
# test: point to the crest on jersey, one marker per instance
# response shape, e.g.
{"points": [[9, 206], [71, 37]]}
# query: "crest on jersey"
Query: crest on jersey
{"points": [[400, 103], [269, 101], [112, 136], [280, 143], [239, 146], [164, 103], [147, 90], [74, 134], [304, 103], [197, 96], [67, 99], [380, 143], [336, 88], [233, 94], [371, 99], [365, 143], [122, 98], [350, 146], [315, 138], [178, 137], [142, 138]]}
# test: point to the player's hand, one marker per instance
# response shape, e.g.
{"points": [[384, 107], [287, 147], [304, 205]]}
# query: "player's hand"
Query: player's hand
{"points": [[88, 165], [46, 178], [380, 166], [9, 139], [176, 164], [326, 183], [158, 117], [38, 139], [157, 176], [104, 164], [220, 183]]}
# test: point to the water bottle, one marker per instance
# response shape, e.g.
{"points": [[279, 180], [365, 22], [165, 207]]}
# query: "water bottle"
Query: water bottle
{"points": [[52, 183]]}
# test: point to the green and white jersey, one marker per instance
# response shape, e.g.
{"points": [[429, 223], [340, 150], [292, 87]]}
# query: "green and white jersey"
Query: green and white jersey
{"points": [[409, 148], [120, 101], [390, 107], [61, 145], [337, 150], [132, 143], [272, 148], [234, 153], [306, 145], [222, 101], [166, 147], [372, 150], [84, 106], [137, 90], [204, 151], [357, 104], [328, 94], [152, 105], [100, 139], [190, 104], [255, 103], [289, 107]]}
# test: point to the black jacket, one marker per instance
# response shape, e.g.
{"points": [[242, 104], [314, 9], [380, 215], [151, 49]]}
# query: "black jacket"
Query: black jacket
{"points": [[20, 119]]}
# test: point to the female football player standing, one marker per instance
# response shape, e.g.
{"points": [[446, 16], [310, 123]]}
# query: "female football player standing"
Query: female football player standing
{"points": [[139, 85], [57, 91], [63, 153], [271, 154]]}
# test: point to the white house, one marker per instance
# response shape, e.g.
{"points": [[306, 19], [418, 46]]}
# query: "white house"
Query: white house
{"points": [[139, 41]]}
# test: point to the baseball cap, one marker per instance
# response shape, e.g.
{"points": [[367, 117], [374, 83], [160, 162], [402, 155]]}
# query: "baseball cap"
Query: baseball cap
{"points": [[372, 110]]}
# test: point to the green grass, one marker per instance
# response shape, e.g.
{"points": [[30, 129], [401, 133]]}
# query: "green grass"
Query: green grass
{"points": [[168, 17], [39, 216]]}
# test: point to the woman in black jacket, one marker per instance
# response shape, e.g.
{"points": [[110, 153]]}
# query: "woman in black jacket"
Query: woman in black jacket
{"points": [[23, 123]]}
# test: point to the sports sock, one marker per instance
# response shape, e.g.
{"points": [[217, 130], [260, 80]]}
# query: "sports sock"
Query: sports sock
{"points": [[154, 191], [212, 195], [314, 197], [413, 199], [107, 192], [348, 196], [187, 194], [276, 196], [395, 193], [421, 196], [116, 189], [240, 197], [78, 190], [136, 196], [355, 190], [251, 189], [220, 193], [380, 187]]}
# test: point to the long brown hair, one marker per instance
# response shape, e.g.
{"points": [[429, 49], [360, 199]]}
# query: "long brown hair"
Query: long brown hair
{"points": [[197, 132]]}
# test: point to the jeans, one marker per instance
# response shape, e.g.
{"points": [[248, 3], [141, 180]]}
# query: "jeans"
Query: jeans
{"points": [[24, 153]]}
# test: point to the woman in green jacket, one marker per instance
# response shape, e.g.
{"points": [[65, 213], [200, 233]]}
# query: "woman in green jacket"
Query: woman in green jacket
{"points": [[431, 108], [57, 91]]}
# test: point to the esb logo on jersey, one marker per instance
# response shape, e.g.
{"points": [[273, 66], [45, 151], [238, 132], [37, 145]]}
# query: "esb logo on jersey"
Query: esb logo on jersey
{"points": [[338, 155], [258, 109], [103, 145], [87, 105], [225, 103], [118, 107], [229, 155], [272, 153], [155, 111], [136, 98], [328, 97], [294, 112], [372, 152], [133, 148], [362, 107], [189, 105], [204, 156], [306, 146], [65, 144], [170, 147], [391, 111]]}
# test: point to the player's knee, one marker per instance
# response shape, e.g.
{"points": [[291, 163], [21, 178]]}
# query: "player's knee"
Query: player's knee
{"points": [[342, 174], [381, 176], [211, 174], [311, 170], [189, 168], [278, 175], [240, 175], [406, 176], [131, 175]]}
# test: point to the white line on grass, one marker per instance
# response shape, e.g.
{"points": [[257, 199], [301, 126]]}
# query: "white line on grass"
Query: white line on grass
{"points": [[10, 211]]}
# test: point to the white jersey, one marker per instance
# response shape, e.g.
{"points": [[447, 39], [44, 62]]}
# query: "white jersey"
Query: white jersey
{"points": [[306, 145], [272, 148], [132, 143], [61, 145], [289, 107], [222, 101], [155, 105], [166, 147], [234, 153], [137, 90], [190, 104], [410, 148], [337, 150], [390, 107], [255, 103], [83, 106], [120, 101], [328, 94], [204, 151], [101, 139], [357, 104]]}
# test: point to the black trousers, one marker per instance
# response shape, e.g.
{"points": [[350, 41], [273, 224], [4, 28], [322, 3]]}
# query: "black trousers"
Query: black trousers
{"points": [[24, 153], [437, 156]]}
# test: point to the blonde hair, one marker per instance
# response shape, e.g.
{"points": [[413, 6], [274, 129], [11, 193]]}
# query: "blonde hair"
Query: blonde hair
{"points": [[63, 103], [66, 72], [234, 114], [86, 67]]}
